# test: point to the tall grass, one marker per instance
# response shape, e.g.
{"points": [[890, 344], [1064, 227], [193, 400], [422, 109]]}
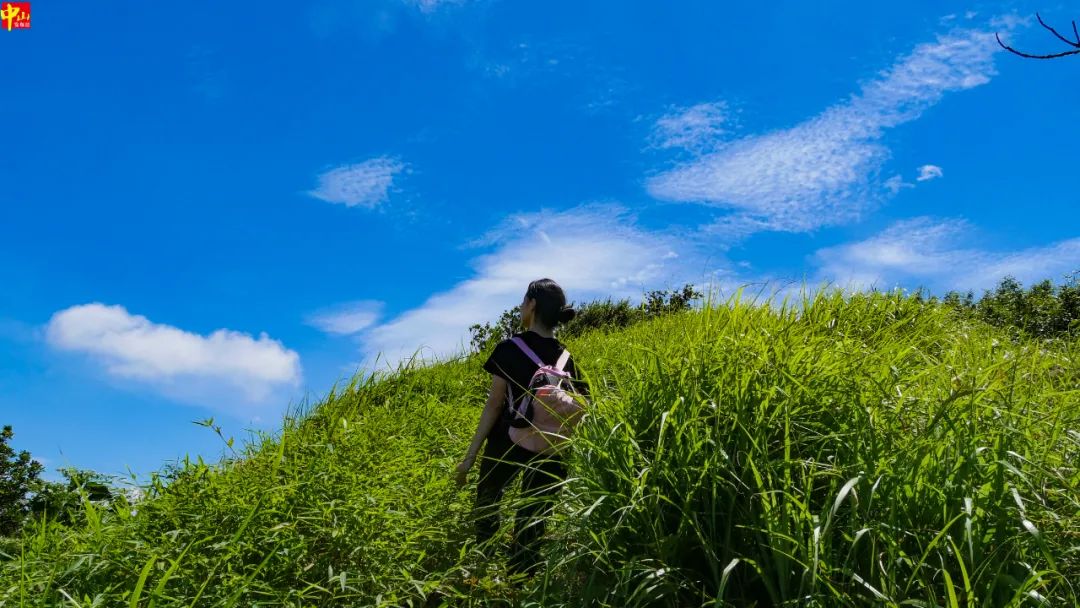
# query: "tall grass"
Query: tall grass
{"points": [[842, 452], [836, 450]]}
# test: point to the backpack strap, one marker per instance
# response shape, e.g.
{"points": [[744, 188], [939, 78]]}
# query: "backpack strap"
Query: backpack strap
{"points": [[563, 358], [528, 351]]}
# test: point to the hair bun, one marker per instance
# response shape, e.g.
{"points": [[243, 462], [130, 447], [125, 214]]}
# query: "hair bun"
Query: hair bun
{"points": [[566, 313]]}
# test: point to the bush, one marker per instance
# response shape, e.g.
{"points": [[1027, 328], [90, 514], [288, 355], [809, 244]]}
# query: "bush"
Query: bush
{"points": [[63, 501], [1043, 311], [602, 315]]}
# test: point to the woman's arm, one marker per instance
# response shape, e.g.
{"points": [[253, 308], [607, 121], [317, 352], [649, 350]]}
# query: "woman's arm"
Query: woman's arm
{"points": [[492, 411]]}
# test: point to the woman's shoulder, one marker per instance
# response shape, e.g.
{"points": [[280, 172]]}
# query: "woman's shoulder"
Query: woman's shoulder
{"points": [[541, 343], [509, 345], [508, 342]]}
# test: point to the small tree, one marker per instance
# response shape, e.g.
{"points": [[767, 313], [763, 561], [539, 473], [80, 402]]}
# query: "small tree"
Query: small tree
{"points": [[667, 302], [487, 335], [18, 473]]}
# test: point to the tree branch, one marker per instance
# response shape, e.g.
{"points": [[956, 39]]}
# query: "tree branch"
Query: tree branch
{"points": [[1029, 56], [1055, 32], [1075, 45]]}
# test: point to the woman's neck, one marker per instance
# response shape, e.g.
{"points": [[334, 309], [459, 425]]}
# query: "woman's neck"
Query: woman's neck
{"points": [[539, 329]]}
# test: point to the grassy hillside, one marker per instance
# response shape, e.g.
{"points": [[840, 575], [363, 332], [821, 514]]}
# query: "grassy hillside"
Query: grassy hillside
{"points": [[869, 450]]}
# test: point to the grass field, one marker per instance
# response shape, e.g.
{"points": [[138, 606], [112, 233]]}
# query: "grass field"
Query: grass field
{"points": [[858, 450]]}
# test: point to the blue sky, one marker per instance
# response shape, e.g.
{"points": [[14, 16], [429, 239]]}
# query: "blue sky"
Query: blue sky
{"points": [[222, 211]]}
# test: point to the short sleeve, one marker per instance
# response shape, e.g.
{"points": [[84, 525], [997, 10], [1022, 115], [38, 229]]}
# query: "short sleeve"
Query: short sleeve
{"points": [[496, 363]]}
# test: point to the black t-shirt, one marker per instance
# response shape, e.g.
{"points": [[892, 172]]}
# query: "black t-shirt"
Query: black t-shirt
{"points": [[514, 366]]}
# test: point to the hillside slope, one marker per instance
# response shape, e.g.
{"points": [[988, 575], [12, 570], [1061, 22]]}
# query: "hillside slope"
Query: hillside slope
{"points": [[860, 450]]}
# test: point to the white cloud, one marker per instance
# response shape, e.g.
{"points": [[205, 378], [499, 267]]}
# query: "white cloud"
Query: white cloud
{"points": [[1029, 265], [695, 128], [365, 184], [935, 253], [428, 6], [928, 172], [895, 184], [345, 319], [825, 170], [592, 251], [226, 368]]}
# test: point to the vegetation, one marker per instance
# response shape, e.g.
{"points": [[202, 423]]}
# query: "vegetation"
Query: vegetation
{"points": [[1043, 311], [18, 472], [23, 494], [839, 450], [63, 501], [604, 314]]}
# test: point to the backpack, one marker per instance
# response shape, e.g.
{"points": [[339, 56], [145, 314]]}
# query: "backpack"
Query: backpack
{"points": [[545, 409]]}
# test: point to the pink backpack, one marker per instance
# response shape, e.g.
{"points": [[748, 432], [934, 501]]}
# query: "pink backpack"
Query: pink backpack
{"points": [[544, 417]]}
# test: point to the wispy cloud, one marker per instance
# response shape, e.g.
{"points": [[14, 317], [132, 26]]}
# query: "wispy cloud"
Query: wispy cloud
{"points": [[826, 170], [592, 251], [428, 6], [371, 20], [346, 319], [696, 128], [527, 59], [938, 254], [224, 369], [365, 184], [1028, 265], [928, 172], [895, 184]]}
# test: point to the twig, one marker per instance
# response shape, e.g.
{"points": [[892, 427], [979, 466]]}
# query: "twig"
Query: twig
{"points": [[1052, 31], [1055, 32], [1029, 56]]}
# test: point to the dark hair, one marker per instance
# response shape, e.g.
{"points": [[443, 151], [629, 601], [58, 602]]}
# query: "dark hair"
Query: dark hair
{"points": [[551, 308]]}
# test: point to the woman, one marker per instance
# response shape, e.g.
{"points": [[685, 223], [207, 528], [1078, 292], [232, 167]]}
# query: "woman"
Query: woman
{"points": [[543, 308]]}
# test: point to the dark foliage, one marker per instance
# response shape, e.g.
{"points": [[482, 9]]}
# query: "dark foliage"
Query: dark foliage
{"points": [[18, 474], [1042, 311], [666, 302], [602, 314], [62, 501]]}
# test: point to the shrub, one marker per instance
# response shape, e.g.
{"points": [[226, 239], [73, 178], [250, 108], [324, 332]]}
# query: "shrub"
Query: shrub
{"points": [[18, 474], [1043, 311]]}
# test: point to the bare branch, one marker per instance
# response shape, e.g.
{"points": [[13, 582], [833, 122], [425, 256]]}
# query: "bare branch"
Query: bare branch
{"points": [[1029, 56], [1076, 44], [1055, 32]]}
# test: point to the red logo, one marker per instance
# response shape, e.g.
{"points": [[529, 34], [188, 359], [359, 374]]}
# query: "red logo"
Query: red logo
{"points": [[15, 15]]}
